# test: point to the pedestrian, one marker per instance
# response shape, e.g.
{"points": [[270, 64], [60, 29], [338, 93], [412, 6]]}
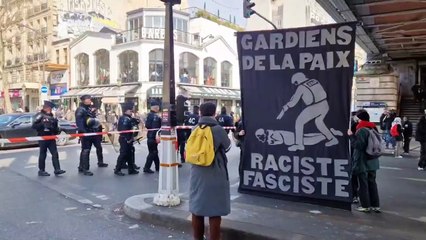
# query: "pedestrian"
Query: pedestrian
{"points": [[364, 167], [127, 150], [209, 194], [47, 125], [408, 134], [191, 120], [97, 140], [417, 92], [86, 124], [352, 139], [397, 134], [239, 135], [153, 124], [386, 125], [421, 137], [224, 119]]}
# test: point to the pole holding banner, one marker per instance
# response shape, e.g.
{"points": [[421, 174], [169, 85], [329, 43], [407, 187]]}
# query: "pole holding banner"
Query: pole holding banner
{"points": [[168, 186]]}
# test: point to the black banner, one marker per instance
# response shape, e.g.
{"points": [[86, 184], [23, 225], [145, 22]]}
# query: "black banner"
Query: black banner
{"points": [[296, 92]]}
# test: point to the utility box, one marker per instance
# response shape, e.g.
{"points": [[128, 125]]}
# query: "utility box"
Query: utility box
{"points": [[377, 82]]}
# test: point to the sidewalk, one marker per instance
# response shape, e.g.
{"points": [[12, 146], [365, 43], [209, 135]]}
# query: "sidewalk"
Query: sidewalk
{"points": [[255, 218], [414, 150]]}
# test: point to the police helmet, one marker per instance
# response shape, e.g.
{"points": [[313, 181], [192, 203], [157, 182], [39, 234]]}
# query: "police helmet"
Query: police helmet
{"points": [[93, 123], [298, 78]]}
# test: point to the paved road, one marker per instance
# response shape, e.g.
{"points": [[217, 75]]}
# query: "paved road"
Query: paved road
{"points": [[402, 190]]}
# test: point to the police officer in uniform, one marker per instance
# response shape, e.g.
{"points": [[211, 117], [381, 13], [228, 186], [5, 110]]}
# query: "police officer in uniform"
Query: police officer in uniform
{"points": [[47, 125], [86, 124], [97, 140], [127, 150], [192, 120], [153, 121], [225, 120]]}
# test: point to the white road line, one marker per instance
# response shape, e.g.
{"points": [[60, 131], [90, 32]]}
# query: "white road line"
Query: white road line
{"points": [[415, 179], [33, 160], [391, 168], [6, 162]]}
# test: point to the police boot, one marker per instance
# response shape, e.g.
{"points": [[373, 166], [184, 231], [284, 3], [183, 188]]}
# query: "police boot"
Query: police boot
{"points": [[133, 172], [118, 173], [102, 165], [43, 173], [59, 172]]}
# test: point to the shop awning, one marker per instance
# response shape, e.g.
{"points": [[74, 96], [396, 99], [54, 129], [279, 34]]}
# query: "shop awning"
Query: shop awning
{"points": [[120, 91], [211, 92]]}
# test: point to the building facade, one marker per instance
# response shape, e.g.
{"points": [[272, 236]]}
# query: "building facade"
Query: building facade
{"points": [[128, 66], [37, 39]]}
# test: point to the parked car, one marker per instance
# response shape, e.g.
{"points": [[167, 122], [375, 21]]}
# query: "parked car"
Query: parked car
{"points": [[17, 125]]}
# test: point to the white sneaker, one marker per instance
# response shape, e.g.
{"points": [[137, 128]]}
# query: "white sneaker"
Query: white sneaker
{"points": [[399, 157], [420, 169]]}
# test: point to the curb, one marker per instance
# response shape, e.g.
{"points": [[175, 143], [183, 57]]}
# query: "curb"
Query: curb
{"points": [[139, 207]]}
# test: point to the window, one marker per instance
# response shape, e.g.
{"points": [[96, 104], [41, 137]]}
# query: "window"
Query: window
{"points": [[129, 62], [82, 69], [156, 65], [210, 71], [226, 74], [57, 56], [188, 68], [23, 120], [65, 56], [102, 67]]}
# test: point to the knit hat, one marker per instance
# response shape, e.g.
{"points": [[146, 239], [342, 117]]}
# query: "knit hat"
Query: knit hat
{"points": [[363, 115]]}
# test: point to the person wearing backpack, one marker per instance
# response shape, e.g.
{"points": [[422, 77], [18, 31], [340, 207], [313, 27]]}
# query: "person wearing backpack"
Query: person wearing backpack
{"points": [[397, 134], [365, 165], [209, 191]]}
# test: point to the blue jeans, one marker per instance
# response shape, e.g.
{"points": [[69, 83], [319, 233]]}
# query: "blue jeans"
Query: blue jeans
{"points": [[389, 139]]}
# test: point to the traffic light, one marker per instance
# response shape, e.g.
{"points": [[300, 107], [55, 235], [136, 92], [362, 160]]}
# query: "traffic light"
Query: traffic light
{"points": [[247, 8], [172, 1]]}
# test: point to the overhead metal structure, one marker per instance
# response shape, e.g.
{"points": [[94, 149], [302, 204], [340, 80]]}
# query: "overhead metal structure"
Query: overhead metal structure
{"points": [[388, 28]]}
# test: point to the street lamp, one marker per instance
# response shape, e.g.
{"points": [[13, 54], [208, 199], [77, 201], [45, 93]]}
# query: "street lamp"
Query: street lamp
{"points": [[43, 52], [168, 189]]}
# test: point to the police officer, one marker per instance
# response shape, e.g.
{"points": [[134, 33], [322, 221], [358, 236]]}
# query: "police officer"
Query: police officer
{"points": [[190, 120], [225, 120], [127, 150], [86, 124], [153, 121], [97, 140], [47, 125]]}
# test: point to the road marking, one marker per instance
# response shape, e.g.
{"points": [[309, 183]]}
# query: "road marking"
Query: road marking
{"points": [[70, 209], [6, 162], [415, 179], [390, 168], [33, 159], [233, 197], [30, 166], [102, 197]]}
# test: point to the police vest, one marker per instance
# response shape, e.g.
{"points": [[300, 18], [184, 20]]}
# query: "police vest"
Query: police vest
{"points": [[316, 89]]}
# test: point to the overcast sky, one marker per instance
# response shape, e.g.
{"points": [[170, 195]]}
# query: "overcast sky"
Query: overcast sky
{"points": [[225, 7]]}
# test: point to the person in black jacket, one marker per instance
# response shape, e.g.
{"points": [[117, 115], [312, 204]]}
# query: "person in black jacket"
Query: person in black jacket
{"points": [[224, 119], [127, 150], [239, 135], [421, 137], [86, 123], [47, 125], [408, 134], [153, 123], [190, 120], [97, 140], [352, 139]]}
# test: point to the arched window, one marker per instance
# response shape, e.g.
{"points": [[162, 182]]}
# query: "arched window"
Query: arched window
{"points": [[102, 67], [129, 62], [188, 68], [210, 71], [226, 74], [156, 69], [82, 69]]}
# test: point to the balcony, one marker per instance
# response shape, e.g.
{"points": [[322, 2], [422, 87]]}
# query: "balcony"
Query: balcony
{"points": [[156, 34]]}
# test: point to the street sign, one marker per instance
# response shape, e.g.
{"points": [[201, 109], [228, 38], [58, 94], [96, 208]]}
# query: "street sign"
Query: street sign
{"points": [[43, 89]]}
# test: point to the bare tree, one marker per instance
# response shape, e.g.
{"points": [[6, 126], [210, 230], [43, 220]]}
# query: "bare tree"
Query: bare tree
{"points": [[10, 16]]}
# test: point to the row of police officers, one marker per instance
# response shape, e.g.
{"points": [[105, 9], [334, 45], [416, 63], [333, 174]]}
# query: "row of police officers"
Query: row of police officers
{"points": [[87, 122]]}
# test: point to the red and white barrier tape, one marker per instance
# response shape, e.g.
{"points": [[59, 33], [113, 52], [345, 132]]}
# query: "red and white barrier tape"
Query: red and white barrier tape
{"points": [[74, 135]]}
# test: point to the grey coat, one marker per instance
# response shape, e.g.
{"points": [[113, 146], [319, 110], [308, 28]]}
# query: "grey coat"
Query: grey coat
{"points": [[209, 193]]}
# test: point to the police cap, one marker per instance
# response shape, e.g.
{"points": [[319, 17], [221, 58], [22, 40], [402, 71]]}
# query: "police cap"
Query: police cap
{"points": [[49, 104]]}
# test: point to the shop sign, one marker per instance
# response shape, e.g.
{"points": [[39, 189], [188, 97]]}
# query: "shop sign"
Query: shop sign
{"points": [[58, 89], [156, 33], [13, 94], [58, 77]]}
